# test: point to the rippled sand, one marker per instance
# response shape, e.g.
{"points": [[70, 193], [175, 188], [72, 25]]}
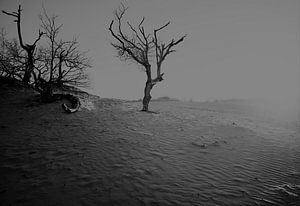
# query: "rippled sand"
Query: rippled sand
{"points": [[110, 153]]}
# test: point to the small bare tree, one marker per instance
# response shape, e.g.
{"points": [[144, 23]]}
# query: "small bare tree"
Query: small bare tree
{"points": [[72, 64], [59, 62], [29, 48], [12, 58], [139, 47]]}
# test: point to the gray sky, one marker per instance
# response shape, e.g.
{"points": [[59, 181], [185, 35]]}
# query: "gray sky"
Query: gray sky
{"points": [[234, 48]]}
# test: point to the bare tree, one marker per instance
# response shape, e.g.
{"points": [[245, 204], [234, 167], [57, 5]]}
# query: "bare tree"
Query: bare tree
{"points": [[59, 62], [12, 59], [29, 48], [140, 47], [72, 64]]}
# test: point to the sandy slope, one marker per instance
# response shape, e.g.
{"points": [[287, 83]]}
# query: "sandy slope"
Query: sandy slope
{"points": [[110, 153]]}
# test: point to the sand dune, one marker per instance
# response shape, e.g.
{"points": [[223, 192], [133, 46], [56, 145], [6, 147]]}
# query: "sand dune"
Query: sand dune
{"points": [[110, 153]]}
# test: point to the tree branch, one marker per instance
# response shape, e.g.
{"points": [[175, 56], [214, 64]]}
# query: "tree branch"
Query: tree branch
{"points": [[123, 47], [14, 14], [161, 51], [140, 45], [40, 35]]}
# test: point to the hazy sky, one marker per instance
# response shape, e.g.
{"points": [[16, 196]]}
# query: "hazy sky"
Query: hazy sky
{"points": [[234, 48]]}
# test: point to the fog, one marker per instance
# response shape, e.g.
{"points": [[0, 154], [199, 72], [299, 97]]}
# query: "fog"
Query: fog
{"points": [[287, 109]]}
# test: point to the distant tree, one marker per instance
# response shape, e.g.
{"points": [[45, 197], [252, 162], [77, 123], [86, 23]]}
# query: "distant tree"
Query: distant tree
{"points": [[142, 48], [59, 62], [29, 48]]}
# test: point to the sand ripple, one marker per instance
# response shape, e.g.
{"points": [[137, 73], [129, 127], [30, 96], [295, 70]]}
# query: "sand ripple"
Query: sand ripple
{"points": [[116, 156]]}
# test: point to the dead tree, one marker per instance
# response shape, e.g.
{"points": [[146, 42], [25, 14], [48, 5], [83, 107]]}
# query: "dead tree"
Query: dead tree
{"points": [[140, 47], [72, 64], [60, 62], [29, 48], [12, 59]]}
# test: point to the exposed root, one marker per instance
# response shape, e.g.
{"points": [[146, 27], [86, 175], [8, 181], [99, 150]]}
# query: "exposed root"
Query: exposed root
{"points": [[75, 103], [151, 112]]}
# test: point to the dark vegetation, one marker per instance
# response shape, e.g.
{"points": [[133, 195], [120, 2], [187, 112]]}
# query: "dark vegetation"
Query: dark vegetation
{"points": [[48, 64], [65, 94]]}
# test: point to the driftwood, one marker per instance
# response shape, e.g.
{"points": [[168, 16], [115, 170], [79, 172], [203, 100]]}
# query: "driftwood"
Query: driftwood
{"points": [[75, 103], [46, 89]]}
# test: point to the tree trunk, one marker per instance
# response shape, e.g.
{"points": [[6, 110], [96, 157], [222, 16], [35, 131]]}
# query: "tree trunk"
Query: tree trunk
{"points": [[148, 88], [147, 96], [46, 90], [47, 93], [60, 72], [29, 69]]}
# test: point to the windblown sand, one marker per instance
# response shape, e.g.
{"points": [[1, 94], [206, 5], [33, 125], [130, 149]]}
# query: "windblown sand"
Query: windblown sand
{"points": [[110, 153]]}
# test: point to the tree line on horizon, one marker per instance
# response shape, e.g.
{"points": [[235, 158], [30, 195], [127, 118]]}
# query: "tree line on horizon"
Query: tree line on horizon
{"points": [[51, 61]]}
